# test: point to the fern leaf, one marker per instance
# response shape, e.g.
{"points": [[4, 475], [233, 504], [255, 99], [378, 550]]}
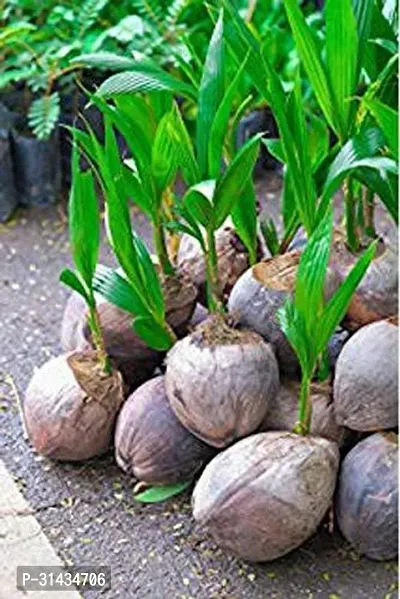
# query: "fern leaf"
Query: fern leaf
{"points": [[43, 115]]}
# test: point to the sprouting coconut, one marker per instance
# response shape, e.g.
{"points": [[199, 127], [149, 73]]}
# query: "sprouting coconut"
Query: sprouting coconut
{"points": [[71, 405], [219, 381], [283, 410], [151, 443], [366, 379], [233, 260], [367, 497], [72, 401], [376, 298], [267, 494]]}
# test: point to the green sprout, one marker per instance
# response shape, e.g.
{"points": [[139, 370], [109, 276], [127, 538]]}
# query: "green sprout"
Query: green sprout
{"points": [[84, 229], [307, 320], [314, 172], [214, 195], [139, 291]]}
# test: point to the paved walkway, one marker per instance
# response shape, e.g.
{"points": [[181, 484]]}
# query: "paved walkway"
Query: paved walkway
{"points": [[22, 543]]}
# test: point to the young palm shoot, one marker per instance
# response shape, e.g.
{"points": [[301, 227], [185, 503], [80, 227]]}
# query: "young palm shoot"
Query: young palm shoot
{"points": [[306, 320], [84, 227], [214, 195], [303, 146], [140, 293], [218, 405], [150, 171]]}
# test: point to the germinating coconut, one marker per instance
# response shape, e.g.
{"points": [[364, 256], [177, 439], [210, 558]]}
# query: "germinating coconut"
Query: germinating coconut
{"points": [[267, 494], [366, 379], [219, 381], [70, 407], [367, 497], [151, 443]]}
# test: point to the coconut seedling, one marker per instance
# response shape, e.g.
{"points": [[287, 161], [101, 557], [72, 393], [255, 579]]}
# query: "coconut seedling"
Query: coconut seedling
{"points": [[307, 320], [72, 401], [161, 303], [313, 174], [236, 246], [365, 151], [218, 379], [250, 509]]}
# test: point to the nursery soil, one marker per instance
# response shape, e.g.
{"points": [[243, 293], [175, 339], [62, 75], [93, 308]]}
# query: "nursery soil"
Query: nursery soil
{"points": [[87, 511]]}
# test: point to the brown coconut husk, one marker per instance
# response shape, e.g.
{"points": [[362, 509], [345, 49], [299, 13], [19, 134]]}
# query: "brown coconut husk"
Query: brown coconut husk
{"points": [[282, 412], [267, 494], [219, 381], [150, 442], [367, 497], [71, 405], [366, 379], [180, 295], [233, 260], [376, 297]]}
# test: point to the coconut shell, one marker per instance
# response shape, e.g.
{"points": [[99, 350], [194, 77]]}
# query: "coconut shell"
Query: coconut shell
{"points": [[72, 324], [256, 299], [366, 379], [132, 357], [150, 442], [70, 407], [367, 497], [233, 260], [199, 316], [219, 382], [282, 412], [376, 297], [267, 494]]}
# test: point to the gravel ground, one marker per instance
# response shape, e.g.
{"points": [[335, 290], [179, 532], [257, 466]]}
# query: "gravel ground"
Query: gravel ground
{"points": [[88, 512]]}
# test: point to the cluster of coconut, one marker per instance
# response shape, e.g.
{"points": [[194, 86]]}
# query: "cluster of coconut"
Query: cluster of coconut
{"points": [[223, 407]]}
